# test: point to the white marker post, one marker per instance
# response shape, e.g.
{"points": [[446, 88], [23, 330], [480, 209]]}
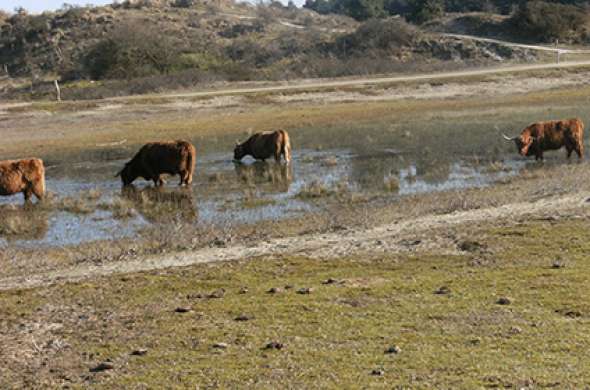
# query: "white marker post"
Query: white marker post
{"points": [[57, 91]]}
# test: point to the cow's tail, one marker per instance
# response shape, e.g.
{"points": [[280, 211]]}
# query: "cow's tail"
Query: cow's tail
{"points": [[580, 138], [190, 155], [286, 146], [37, 178]]}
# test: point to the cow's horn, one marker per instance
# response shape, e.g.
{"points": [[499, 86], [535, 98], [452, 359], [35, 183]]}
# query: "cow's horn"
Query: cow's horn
{"points": [[119, 173], [507, 138]]}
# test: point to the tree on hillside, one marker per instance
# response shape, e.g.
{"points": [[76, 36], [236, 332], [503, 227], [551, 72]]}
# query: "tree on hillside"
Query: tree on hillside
{"points": [[549, 21], [425, 10], [132, 50], [357, 9]]}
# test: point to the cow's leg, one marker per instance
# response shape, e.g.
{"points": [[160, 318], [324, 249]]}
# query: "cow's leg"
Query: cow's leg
{"points": [[27, 193], [278, 153], [569, 150], [187, 177], [39, 190], [580, 151], [158, 181], [287, 153]]}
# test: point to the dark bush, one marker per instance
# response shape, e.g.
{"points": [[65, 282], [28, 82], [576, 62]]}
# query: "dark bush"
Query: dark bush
{"points": [[539, 20], [184, 3], [426, 10], [239, 29], [251, 52], [357, 9], [132, 50], [386, 35]]}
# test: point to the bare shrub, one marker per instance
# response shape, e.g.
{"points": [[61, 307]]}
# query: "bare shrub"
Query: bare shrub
{"points": [[120, 207]]}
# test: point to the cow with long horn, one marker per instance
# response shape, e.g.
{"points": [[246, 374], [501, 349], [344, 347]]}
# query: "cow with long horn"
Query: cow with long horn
{"points": [[551, 135]]}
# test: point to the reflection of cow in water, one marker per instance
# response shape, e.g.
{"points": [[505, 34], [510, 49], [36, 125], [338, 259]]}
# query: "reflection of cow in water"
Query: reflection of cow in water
{"points": [[160, 204], [26, 176], [23, 223], [157, 158], [279, 175]]}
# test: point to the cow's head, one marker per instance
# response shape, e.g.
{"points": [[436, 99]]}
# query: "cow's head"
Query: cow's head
{"points": [[239, 152], [523, 143], [127, 175]]}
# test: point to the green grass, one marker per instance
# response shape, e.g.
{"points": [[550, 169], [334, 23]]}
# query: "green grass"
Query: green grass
{"points": [[337, 335]]}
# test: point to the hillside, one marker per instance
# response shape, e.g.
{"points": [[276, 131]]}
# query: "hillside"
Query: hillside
{"points": [[147, 46]]}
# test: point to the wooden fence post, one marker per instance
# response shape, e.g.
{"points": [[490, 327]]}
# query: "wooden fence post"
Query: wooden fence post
{"points": [[57, 91]]}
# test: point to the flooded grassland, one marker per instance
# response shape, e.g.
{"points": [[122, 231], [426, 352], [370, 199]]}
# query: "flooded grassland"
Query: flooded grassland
{"points": [[406, 245], [356, 164]]}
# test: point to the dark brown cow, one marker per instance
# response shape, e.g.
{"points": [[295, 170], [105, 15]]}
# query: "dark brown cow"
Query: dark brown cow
{"points": [[157, 158], [26, 176], [551, 135], [265, 145]]}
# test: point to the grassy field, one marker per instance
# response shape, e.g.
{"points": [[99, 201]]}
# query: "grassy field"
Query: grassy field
{"points": [[67, 129], [506, 306], [510, 309]]}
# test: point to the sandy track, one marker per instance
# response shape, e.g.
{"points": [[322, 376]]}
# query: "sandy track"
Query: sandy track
{"points": [[420, 234], [519, 45], [305, 85]]}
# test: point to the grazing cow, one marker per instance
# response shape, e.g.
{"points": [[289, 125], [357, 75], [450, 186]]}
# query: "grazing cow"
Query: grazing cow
{"points": [[552, 135], [26, 176], [264, 145], [157, 158]]}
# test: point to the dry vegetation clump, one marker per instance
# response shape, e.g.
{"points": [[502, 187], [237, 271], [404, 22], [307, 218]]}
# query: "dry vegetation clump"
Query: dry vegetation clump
{"points": [[391, 183], [318, 189], [252, 199], [85, 202], [75, 205], [315, 189], [121, 208], [27, 222]]}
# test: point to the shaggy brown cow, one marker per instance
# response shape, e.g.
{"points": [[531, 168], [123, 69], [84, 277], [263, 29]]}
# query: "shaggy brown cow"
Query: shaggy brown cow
{"points": [[26, 176], [552, 135], [264, 145], [157, 158]]}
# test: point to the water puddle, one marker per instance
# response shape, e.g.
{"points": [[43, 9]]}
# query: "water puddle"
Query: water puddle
{"points": [[88, 203]]}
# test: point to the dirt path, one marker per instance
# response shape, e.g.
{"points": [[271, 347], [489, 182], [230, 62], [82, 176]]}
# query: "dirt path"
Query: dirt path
{"points": [[519, 45], [421, 234], [303, 85]]}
